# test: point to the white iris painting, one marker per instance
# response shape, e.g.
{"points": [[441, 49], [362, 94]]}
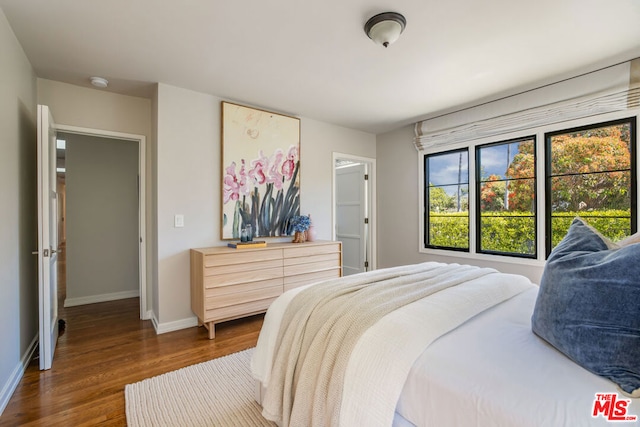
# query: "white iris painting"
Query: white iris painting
{"points": [[260, 171]]}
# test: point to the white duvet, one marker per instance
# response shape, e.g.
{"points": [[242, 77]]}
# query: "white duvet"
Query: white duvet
{"points": [[382, 358], [490, 371], [494, 372]]}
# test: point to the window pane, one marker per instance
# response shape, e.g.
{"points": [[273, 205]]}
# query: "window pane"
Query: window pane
{"points": [[448, 168], [513, 159], [590, 176], [447, 199], [506, 197], [508, 234], [601, 191], [591, 150], [449, 230]]}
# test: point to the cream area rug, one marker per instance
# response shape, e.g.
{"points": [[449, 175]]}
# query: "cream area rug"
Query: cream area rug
{"points": [[214, 393]]}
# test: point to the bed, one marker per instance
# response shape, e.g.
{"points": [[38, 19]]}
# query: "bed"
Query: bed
{"points": [[462, 355]]}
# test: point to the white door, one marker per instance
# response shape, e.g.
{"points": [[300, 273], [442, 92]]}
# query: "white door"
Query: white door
{"points": [[351, 217], [47, 237]]}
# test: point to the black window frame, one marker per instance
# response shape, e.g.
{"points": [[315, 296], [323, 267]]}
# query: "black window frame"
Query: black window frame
{"points": [[427, 245], [478, 198], [548, 170]]}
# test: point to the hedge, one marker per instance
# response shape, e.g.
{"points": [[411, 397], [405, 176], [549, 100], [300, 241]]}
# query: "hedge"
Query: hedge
{"points": [[514, 232], [449, 230]]}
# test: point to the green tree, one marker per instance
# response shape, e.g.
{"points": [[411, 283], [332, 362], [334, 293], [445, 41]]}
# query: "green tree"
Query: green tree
{"points": [[522, 171], [492, 194], [582, 159], [439, 200]]}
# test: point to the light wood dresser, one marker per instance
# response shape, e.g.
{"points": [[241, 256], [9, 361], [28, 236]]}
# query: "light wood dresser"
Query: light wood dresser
{"points": [[229, 283]]}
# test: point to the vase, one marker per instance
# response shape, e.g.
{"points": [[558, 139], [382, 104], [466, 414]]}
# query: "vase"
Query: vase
{"points": [[299, 237], [310, 234]]}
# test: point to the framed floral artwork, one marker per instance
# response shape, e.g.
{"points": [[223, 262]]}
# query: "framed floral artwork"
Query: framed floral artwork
{"points": [[260, 172]]}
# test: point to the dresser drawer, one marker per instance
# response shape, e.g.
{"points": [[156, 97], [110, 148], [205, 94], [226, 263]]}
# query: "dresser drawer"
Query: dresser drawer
{"points": [[292, 270], [305, 279], [305, 251], [331, 257], [243, 276], [218, 291], [266, 290], [255, 266], [241, 256], [240, 310]]}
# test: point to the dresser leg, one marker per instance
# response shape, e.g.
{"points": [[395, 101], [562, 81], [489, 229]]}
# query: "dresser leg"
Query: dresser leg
{"points": [[211, 327]]}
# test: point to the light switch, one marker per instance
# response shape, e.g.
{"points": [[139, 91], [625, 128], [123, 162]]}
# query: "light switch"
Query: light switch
{"points": [[178, 220]]}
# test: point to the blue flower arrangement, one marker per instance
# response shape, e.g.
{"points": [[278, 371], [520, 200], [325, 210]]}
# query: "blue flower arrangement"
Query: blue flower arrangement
{"points": [[300, 223]]}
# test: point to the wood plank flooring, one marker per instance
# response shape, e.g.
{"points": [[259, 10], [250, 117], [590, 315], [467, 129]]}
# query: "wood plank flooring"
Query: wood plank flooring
{"points": [[104, 347]]}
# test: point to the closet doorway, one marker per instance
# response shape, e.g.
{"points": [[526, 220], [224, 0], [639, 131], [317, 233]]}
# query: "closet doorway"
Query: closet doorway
{"points": [[101, 216]]}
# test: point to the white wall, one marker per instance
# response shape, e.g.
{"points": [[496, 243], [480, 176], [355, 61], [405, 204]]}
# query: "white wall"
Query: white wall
{"points": [[398, 183], [398, 186], [189, 183], [94, 108], [318, 143], [188, 177], [18, 280], [101, 219]]}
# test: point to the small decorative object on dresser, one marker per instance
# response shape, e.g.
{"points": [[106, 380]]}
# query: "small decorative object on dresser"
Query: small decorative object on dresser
{"points": [[311, 231], [228, 283], [300, 224], [248, 244]]}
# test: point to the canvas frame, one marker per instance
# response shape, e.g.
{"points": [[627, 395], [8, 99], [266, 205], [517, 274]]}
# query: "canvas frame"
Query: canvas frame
{"points": [[260, 171]]}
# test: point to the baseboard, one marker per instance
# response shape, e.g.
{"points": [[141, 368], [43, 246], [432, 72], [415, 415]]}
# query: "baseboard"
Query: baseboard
{"points": [[16, 375], [154, 322], [92, 299], [163, 328]]}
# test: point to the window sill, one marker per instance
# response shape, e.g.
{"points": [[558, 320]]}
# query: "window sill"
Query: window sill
{"points": [[506, 259]]}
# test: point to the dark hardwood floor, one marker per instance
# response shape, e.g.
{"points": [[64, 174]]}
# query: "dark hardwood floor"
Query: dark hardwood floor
{"points": [[104, 347]]}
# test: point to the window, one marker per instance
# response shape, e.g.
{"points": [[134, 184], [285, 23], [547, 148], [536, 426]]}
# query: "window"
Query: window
{"points": [[590, 172], [506, 198], [447, 200]]}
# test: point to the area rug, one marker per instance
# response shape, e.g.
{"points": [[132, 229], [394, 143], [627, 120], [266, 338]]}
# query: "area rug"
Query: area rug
{"points": [[214, 393]]}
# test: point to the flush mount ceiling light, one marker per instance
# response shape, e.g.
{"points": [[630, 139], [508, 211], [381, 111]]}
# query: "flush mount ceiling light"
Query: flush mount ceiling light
{"points": [[99, 82], [385, 28]]}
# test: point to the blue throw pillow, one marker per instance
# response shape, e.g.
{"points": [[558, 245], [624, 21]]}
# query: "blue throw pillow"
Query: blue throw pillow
{"points": [[588, 305]]}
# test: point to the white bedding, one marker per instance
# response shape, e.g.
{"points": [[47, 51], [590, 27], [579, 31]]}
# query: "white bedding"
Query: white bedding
{"points": [[493, 371], [490, 371]]}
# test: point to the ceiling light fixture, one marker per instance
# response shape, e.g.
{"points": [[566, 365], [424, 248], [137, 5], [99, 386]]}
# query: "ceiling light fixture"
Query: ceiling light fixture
{"points": [[385, 28], [99, 82]]}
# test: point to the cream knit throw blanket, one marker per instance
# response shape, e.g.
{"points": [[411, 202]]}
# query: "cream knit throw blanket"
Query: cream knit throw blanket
{"points": [[324, 324]]}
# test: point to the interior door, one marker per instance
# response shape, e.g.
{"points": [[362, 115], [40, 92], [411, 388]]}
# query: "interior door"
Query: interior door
{"points": [[47, 237], [351, 217]]}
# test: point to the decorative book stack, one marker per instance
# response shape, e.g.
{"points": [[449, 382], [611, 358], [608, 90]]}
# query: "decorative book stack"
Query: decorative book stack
{"points": [[246, 245]]}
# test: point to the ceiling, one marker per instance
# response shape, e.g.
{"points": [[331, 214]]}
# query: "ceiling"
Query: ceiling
{"points": [[312, 58]]}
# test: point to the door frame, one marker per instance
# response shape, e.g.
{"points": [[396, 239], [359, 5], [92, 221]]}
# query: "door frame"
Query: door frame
{"points": [[145, 312], [371, 202]]}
